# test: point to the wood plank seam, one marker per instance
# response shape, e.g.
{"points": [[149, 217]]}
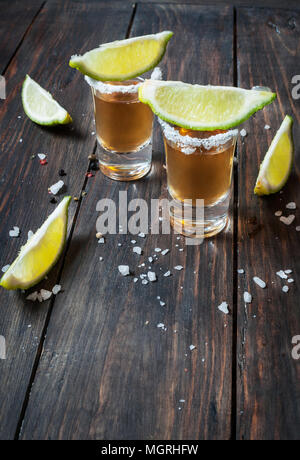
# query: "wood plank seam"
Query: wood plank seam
{"points": [[23, 38]]}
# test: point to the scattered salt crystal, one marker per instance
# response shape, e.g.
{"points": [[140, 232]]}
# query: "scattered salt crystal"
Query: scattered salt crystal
{"points": [[178, 267], [243, 132], [142, 235], [241, 271], [21, 140], [5, 268], [281, 274], [156, 74], [98, 235], [162, 304], [158, 297], [168, 273], [100, 258], [298, 228], [92, 133], [259, 282], [45, 294], [150, 259], [145, 281], [30, 234], [137, 250], [247, 297], [165, 251], [178, 238], [101, 240], [288, 271], [267, 126], [15, 232], [29, 326], [32, 296], [161, 326], [157, 250], [41, 156], [223, 307], [55, 188], [56, 289], [291, 205], [285, 289], [151, 276], [192, 347], [181, 249], [290, 280], [288, 220], [124, 270], [133, 241], [119, 244], [181, 400], [278, 213], [135, 280]]}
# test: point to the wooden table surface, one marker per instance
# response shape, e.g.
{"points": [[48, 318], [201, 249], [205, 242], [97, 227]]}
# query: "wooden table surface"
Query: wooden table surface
{"points": [[91, 362]]}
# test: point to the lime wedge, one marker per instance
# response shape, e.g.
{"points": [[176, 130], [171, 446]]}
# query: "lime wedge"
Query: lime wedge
{"points": [[40, 106], [123, 59], [40, 252], [277, 164], [203, 108]]}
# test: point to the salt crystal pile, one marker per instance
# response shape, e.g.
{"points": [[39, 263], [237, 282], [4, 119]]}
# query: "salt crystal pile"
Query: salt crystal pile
{"points": [[259, 282], [124, 270], [55, 188], [223, 307]]}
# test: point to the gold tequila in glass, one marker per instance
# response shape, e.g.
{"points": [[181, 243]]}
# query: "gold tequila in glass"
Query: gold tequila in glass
{"points": [[123, 128], [199, 167]]}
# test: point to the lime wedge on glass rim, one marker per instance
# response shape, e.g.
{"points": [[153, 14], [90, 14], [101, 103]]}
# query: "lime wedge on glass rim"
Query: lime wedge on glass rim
{"points": [[40, 252], [203, 108], [40, 107], [123, 59], [277, 164]]}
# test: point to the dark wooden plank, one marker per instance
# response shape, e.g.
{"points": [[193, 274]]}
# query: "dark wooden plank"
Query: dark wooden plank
{"points": [[268, 378], [16, 16], [292, 4], [58, 32], [107, 371]]}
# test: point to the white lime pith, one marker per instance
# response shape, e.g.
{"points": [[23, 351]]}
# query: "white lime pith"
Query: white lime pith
{"points": [[277, 164], [40, 107], [40, 252], [203, 108], [123, 59]]}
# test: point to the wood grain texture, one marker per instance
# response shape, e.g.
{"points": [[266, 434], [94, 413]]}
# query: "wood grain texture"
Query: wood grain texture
{"points": [[16, 17], [59, 31], [268, 378], [107, 371]]}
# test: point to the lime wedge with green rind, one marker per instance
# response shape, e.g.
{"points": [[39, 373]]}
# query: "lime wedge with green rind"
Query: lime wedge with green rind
{"points": [[123, 59], [40, 107], [277, 164], [203, 108], [40, 252]]}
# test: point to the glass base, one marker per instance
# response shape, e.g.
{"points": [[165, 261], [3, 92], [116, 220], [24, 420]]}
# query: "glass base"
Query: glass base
{"points": [[125, 166], [199, 222]]}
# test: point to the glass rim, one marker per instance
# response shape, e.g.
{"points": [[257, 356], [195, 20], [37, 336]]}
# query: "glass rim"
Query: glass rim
{"points": [[189, 144], [111, 87]]}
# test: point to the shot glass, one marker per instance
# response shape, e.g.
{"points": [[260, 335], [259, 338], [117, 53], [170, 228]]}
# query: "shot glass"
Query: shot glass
{"points": [[199, 174], [123, 128]]}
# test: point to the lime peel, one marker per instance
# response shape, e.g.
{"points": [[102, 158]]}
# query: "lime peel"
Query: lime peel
{"points": [[41, 251], [123, 59], [203, 108], [277, 164], [40, 107]]}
